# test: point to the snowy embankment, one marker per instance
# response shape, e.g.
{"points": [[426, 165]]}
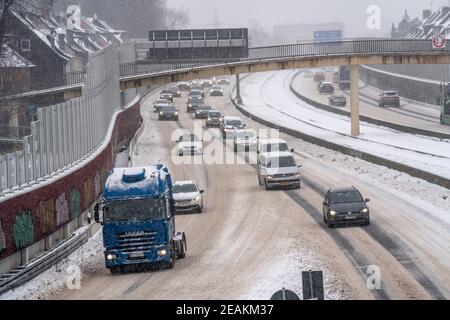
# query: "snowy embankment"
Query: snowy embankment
{"points": [[268, 96]]}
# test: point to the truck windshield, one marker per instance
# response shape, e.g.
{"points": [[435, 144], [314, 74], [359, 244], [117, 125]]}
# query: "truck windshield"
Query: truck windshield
{"points": [[135, 210]]}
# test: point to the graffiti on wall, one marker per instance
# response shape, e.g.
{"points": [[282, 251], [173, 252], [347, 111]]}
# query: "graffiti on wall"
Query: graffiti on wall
{"points": [[97, 183], [45, 213], [23, 230], [2, 238], [88, 192], [75, 203], [62, 210]]}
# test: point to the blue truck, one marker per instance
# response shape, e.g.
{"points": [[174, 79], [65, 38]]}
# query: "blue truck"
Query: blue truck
{"points": [[139, 220]]}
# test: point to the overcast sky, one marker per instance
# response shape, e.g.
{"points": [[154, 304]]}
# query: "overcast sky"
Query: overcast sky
{"points": [[240, 13]]}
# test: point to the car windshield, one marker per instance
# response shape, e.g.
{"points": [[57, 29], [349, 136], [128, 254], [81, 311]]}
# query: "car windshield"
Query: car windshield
{"points": [[185, 188], [162, 102], [233, 123], [199, 88], [204, 108], [275, 147], [345, 197], [168, 109], [189, 138], [391, 93], [217, 88], [281, 162], [166, 92], [135, 210], [214, 114], [195, 93]]}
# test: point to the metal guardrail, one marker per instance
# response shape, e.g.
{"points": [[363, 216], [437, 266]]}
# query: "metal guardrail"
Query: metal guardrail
{"points": [[35, 267]]}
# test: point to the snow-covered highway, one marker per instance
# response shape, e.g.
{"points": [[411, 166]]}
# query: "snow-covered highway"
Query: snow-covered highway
{"points": [[249, 242]]}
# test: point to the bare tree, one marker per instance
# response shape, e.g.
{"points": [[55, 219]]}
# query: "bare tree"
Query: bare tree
{"points": [[177, 19], [5, 6]]}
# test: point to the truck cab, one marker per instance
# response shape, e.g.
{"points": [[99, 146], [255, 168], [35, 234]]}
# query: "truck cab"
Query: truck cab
{"points": [[139, 220]]}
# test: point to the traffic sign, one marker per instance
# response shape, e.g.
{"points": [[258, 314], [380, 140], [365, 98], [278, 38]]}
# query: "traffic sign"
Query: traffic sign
{"points": [[312, 285], [285, 295], [438, 41], [327, 36]]}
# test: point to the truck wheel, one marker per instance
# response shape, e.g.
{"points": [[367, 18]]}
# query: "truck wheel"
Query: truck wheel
{"points": [[182, 253]]}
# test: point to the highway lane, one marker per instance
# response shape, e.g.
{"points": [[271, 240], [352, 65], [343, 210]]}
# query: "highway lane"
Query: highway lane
{"points": [[409, 114], [250, 240]]}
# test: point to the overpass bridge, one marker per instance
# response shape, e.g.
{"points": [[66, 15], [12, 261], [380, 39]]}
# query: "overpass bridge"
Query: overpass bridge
{"points": [[298, 56], [261, 59]]}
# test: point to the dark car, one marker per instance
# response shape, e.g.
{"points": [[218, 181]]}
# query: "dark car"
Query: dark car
{"points": [[214, 119], [337, 100], [198, 87], [166, 94], [389, 98], [176, 92], [216, 91], [202, 111], [184, 85], [319, 76], [168, 113], [159, 104], [345, 206], [193, 102], [326, 87]]}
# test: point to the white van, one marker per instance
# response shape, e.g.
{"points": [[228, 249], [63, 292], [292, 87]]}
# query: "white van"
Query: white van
{"points": [[278, 170]]}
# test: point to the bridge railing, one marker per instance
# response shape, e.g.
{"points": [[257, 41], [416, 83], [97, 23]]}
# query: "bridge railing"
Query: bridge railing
{"points": [[310, 49], [42, 83]]}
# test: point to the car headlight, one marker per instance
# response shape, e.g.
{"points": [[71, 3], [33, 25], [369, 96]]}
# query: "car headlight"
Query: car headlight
{"points": [[270, 177], [333, 213], [162, 252], [365, 210], [111, 256], [161, 113], [198, 198], [176, 113]]}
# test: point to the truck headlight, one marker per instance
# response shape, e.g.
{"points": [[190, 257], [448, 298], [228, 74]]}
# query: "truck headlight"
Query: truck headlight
{"points": [[333, 213], [162, 252], [111, 256]]}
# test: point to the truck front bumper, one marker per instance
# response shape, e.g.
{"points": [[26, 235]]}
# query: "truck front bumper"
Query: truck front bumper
{"points": [[155, 256]]}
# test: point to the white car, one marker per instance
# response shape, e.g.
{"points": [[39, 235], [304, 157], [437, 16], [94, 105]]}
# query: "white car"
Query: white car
{"points": [[189, 144], [188, 197], [245, 140], [278, 170], [229, 125]]}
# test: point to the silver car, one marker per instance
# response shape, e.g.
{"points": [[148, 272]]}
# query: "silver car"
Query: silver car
{"points": [[188, 197]]}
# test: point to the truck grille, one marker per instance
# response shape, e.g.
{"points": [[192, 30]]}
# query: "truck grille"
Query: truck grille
{"points": [[133, 242]]}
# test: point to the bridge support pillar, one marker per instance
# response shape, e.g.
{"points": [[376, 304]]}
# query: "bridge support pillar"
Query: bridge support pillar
{"points": [[238, 89], [354, 99]]}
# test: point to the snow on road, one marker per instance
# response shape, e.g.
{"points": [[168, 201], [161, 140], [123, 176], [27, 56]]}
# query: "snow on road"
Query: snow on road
{"points": [[268, 95]]}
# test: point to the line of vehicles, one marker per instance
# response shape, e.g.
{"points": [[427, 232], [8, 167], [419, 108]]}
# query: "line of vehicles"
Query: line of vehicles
{"points": [[139, 204]]}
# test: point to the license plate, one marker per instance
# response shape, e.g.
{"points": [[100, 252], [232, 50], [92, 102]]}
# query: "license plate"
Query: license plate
{"points": [[350, 218], [137, 255], [284, 184]]}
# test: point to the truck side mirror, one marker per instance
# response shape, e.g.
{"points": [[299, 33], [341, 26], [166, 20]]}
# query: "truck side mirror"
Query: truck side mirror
{"points": [[96, 213]]}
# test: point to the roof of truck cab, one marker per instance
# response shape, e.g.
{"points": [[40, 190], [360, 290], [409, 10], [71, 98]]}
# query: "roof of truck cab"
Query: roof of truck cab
{"points": [[153, 184], [269, 155]]}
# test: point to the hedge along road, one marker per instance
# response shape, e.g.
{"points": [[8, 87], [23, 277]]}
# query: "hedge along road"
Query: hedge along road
{"points": [[249, 243]]}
